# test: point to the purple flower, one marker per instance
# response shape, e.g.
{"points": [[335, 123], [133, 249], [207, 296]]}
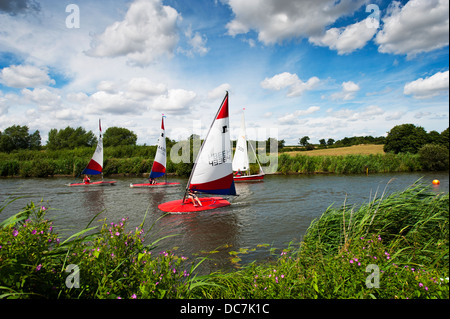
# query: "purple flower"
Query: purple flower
{"points": [[33, 232], [133, 296], [15, 232], [38, 267], [420, 284], [351, 261]]}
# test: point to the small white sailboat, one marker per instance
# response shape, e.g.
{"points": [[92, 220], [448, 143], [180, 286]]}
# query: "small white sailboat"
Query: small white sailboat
{"points": [[241, 165], [159, 163], [212, 172], [95, 165]]}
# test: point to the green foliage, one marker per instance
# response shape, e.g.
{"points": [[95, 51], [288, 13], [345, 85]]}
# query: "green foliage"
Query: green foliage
{"points": [[404, 236], [16, 137], [410, 138], [116, 136], [434, 157], [348, 164], [70, 138]]}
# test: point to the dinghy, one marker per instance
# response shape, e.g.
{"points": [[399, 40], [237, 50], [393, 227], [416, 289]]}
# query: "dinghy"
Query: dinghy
{"points": [[159, 163], [241, 165], [95, 165], [212, 172]]}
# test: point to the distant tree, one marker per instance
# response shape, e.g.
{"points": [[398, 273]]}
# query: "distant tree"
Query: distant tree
{"points": [[434, 137], [70, 138], [322, 142], [20, 138], [330, 142], [434, 157], [115, 136], [444, 138], [304, 141], [35, 140], [405, 138], [17, 137]]}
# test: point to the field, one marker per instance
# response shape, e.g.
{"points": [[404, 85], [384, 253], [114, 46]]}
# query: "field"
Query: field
{"points": [[362, 149]]}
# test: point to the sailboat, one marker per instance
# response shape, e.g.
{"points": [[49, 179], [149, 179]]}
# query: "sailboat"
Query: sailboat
{"points": [[212, 172], [95, 165], [159, 163], [241, 162]]}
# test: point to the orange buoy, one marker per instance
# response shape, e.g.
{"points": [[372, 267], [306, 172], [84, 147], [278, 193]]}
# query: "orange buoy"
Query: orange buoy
{"points": [[436, 182]]}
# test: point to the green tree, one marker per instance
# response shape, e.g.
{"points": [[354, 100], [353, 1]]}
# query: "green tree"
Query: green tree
{"points": [[304, 141], [70, 138], [17, 137], [323, 142], [115, 136], [444, 138], [35, 140], [330, 141], [434, 157], [405, 138]]}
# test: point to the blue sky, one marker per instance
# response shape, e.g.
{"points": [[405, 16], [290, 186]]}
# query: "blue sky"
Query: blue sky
{"points": [[320, 68]]}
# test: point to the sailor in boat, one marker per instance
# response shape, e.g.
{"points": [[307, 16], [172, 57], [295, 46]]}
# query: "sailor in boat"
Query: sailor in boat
{"points": [[152, 181], [86, 179], [238, 173], [192, 195]]}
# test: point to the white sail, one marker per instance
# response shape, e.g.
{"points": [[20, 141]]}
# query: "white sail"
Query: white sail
{"points": [[159, 163], [212, 172], [240, 160], [95, 165]]}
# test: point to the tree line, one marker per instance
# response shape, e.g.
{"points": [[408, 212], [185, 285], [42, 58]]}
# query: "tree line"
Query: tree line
{"points": [[400, 139], [18, 137]]}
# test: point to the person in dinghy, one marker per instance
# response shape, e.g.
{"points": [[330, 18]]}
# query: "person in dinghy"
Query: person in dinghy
{"points": [[192, 195], [86, 179]]}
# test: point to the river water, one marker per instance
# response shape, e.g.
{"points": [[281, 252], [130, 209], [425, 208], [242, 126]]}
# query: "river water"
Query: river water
{"points": [[274, 212]]}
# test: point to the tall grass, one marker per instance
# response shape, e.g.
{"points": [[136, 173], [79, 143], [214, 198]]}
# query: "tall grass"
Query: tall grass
{"points": [[404, 235], [349, 164]]}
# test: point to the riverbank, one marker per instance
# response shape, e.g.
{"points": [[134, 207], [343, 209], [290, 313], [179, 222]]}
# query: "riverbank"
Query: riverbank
{"points": [[402, 238], [130, 163]]}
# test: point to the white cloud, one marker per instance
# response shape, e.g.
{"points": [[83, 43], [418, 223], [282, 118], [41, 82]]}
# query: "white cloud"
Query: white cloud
{"points": [[346, 39], [288, 80], [175, 101], [418, 26], [275, 20], [219, 91], [392, 116], [115, 103], [43, 97], [24, 76], [368, 113], [292, 118], [428, 87], [197, 43], [145, 87], [348, 92], [147, 32]]}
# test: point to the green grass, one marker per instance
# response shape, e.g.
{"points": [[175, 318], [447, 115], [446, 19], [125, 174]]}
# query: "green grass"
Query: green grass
{"points": [[402, 238]]}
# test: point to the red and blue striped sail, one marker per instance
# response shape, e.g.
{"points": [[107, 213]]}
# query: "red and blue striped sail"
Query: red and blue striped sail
{"points": [[159, 163], [95, 165], [213, 172]]}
